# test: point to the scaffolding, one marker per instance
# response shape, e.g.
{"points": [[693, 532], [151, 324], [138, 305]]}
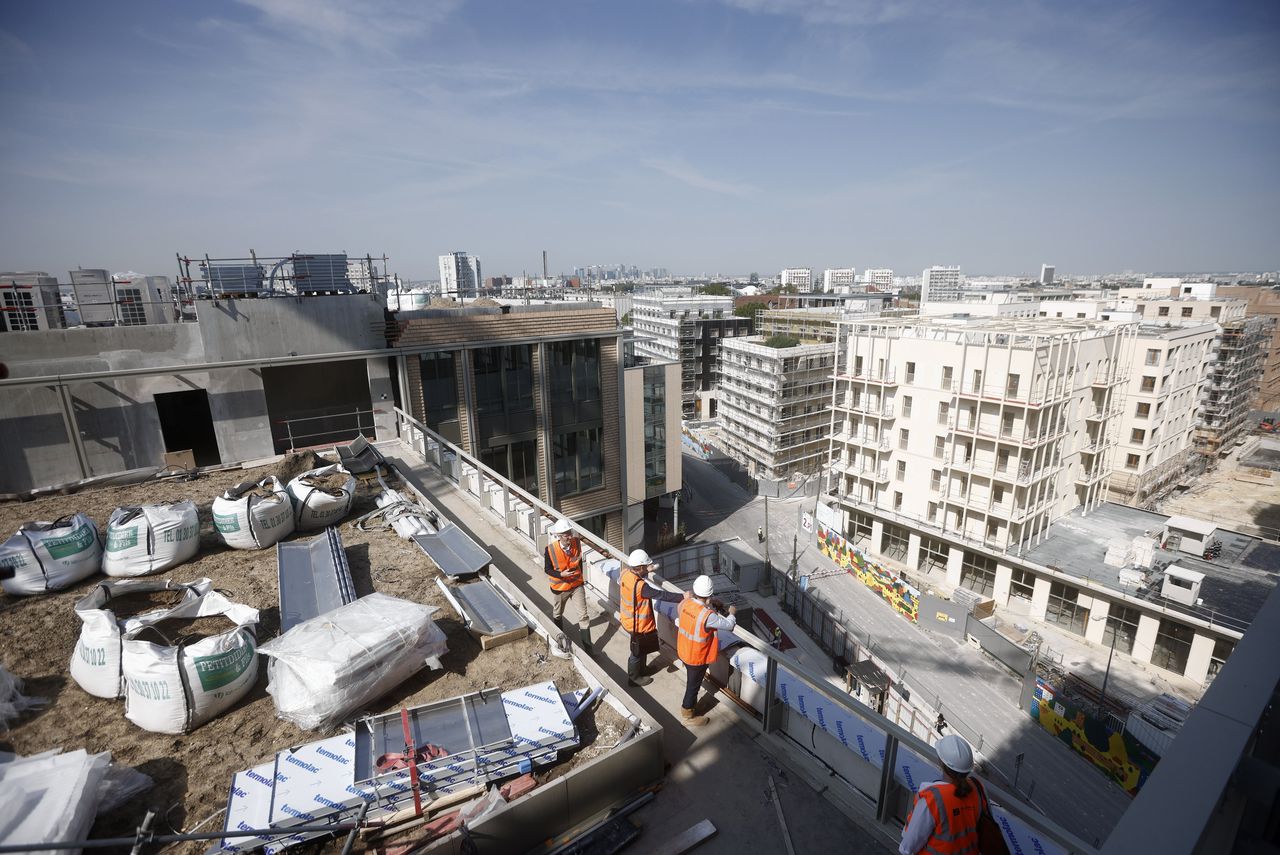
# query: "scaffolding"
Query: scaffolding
{"points": [[1232, 385], [296, 274]]}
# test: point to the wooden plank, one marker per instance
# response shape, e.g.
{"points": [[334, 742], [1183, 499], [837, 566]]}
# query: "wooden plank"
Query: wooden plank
{"points": [[488, 642], [687, 840]]}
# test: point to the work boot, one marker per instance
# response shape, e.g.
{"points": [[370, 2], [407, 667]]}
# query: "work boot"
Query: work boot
{"points": [[636, 678], [585, 636], [559, 622], [691, 719]]}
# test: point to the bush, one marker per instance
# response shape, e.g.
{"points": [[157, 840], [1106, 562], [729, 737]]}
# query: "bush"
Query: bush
{"points": [[781, 341]]}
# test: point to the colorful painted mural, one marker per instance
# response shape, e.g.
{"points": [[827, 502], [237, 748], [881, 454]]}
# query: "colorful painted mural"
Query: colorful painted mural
{"points": [[1118, 754], [897, 593]]}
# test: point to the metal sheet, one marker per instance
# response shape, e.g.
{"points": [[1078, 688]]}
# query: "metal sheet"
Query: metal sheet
{"points": [[314, 578], [488, 611], [458, 725], [453, 551], [360, 456]]}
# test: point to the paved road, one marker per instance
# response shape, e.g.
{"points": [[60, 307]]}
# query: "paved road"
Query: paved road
{"points": [[977, 695]]}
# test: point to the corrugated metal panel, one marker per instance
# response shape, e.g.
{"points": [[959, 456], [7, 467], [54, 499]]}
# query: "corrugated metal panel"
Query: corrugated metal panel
{"points": [[234, 278], [321, 273], [314, 578]]}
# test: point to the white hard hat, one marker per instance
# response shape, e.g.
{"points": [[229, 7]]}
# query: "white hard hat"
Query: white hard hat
{"points": [[639, 558], [561, 526], [702, 586], [955, 754]]}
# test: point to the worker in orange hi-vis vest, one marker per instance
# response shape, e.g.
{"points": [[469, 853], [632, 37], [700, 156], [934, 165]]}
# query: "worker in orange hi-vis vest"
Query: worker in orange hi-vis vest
{"points": [[636, 596], [562, 562], [697, 644], [946, 814]]}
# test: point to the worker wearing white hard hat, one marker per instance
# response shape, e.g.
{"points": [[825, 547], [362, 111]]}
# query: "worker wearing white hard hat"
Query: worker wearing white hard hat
{"points": [[697, 643], [562, 562], [636, 597], [945, 815]]}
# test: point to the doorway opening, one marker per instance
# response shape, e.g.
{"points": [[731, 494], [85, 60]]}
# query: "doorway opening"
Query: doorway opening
{"points": [[186, 423]]}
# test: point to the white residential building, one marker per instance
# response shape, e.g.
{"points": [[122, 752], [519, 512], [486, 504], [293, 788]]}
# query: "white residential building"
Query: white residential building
{"points": [[1154, 447], [460, 275], [775, 405], [800, 278], [983, 428], [839, 280], [987, 304], [939, 284], [880, 278]]}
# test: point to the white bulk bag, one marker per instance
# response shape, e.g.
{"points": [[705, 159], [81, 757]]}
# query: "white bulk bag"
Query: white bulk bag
{"points": [[326, 667], [95, 663], [49, 556], [175, 688], [315, 508], [151, 538], [246, 519]]}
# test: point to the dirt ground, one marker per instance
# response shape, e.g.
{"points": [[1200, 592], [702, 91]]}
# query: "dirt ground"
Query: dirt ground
{"points": [[1243, 503], [193, 772]]}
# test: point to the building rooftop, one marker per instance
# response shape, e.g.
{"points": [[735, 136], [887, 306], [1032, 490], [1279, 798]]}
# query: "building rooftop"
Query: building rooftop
{"points": [[1235, 584], [1022, 329]]}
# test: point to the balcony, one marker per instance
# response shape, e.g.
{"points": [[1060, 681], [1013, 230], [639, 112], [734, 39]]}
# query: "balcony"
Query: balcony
{"points": [[865, 375], [1090, 476], [879, 474], [1010, 396]]}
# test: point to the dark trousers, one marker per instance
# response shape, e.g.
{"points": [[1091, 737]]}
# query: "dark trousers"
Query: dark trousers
{"points": [[693, 675], [642, 644]]}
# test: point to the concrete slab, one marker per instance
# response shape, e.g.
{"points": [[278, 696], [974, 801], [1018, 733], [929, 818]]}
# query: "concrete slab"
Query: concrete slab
{"points": [[717, 772]]}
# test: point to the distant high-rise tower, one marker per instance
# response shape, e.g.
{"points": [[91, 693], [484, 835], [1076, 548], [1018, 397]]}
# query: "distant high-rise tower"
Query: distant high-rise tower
{"points": [[1046, 274], [459, 275], [544, 264], [940, 284]]}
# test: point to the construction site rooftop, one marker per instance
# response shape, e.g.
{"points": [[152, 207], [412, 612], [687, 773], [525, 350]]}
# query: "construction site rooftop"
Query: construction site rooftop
{"points": [[1235, 585], [1021, 330]]}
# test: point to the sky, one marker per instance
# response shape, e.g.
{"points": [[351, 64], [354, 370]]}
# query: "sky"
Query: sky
{"points": [[704, 136]]}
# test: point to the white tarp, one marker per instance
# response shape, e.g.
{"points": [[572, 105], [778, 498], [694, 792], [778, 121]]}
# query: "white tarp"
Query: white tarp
{"points": [[174, 688], [151, 538], [95, 663], [325, 667], [246, 519], [50, 797], [315, 507], [49, 556]]}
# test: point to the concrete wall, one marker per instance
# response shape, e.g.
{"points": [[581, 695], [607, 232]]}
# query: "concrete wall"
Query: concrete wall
{"points": [[252, 329]]}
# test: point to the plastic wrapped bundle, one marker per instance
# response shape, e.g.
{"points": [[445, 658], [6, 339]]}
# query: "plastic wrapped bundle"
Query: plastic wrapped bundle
{"points": [[321, 497], [327, 667], [49, 556], [151, 538], [179, 684], [95, 663], [254, 516]]}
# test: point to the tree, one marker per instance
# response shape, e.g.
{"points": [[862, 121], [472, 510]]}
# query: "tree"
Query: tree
{"points": [[748, 310], [626, 320], [717, 289], [781, 341]]}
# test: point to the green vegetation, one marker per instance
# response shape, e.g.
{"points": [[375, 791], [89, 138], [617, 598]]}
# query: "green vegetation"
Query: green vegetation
{"points": [[748, 310], [781, 341], [626, 320], [717, 289]]}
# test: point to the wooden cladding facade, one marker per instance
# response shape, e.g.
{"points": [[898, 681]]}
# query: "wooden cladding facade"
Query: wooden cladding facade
{"points": [[464, 332]]}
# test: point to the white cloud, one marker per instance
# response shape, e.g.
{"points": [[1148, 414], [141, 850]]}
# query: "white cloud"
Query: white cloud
{"points": [[364, 23], [686, 174]]}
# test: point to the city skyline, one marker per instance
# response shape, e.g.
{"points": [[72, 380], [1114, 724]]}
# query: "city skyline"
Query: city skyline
{"points": [[747, 135]]}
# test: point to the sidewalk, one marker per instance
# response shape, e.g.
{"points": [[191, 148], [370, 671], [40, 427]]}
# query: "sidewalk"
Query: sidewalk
{"points": [[717, 772]]}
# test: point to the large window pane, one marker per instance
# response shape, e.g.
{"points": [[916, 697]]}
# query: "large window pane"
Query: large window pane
{"points": [[440, 394], [1122, 627], [573, 382], [578, 462], [504, 393], [978, 574], [1064, 610], [655, 431], [1172, 647]]}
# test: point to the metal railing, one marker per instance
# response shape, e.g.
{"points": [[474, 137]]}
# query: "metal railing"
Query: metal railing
{"points": [[889, 802], [353, 423]]}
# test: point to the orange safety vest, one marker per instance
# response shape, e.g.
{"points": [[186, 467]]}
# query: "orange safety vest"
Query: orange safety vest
{"points": [[636, 611], [696, 644], [955, 819], [568, 564]]}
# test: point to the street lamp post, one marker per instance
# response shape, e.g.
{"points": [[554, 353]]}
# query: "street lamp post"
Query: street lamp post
{"points": [[1110, 656]]}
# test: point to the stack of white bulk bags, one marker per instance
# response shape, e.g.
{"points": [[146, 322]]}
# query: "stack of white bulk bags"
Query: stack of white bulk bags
{"points": [[151, 538]]}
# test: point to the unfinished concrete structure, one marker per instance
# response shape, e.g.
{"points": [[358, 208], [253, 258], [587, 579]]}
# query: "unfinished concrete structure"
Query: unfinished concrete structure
{"points": [[774, 402], [249, 379], [672, 325], [1235, 375]]}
